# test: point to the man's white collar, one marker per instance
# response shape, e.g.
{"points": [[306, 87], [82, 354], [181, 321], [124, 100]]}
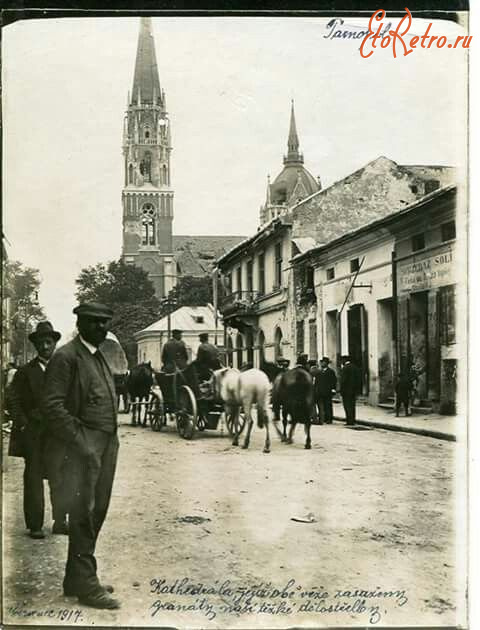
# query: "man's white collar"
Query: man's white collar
{"points": [[88, 345]]}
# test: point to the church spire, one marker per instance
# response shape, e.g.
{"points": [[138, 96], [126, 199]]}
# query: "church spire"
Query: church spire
{"points": [[293, 154], [145, 80]]}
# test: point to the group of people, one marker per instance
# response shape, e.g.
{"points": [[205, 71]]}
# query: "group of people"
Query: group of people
{"points": [[325, 386], [64, 424]]}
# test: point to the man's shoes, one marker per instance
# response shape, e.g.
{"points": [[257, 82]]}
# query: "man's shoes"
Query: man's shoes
{"points": [[100, 599], [37, 534], [60, 527], [68, 592]]}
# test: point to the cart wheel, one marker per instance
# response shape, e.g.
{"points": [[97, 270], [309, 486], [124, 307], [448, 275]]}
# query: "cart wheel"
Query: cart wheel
{"points": [[201, 424], [156, 412], [187, 415], [229, 420]]}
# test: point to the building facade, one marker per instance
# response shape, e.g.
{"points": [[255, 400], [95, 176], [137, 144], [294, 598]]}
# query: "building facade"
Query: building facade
{"points": [[256, 286], [386, 295], [428, 291]]}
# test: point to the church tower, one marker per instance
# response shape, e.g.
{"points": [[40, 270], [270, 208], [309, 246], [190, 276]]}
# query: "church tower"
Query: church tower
{"points": [[293, 184], [147, 195]]}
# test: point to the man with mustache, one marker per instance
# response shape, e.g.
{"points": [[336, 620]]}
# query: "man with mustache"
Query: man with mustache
{"points": [[80, 404]]}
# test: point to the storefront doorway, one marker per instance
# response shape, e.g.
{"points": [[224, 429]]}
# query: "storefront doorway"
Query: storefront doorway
{"points": [[418, 338], [386, 352], [358, 341]]}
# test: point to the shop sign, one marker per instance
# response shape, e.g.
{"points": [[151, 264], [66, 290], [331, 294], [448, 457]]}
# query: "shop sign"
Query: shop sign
{"points": [[427, 272]]}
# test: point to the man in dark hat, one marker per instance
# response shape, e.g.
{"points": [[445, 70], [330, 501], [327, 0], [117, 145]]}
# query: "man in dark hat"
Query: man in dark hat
{"points": [[324, 387], [350, 387], [80, 404], [174, 353], [302, 361], [29, 433]]}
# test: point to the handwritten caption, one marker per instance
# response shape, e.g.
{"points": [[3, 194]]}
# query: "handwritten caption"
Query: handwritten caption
{"points": [[265, 598], [60, 614]]}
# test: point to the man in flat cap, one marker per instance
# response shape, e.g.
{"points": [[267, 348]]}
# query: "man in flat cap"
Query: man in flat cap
{"points": [[29, 433], [174, 353], [324, 387], [80, 404]]}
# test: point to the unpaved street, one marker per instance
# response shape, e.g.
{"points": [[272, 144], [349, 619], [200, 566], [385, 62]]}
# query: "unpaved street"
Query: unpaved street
{"points": [[209, 528]]}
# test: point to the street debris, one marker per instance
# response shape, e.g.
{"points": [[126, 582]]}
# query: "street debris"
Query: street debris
{"points": [[309, 518]]}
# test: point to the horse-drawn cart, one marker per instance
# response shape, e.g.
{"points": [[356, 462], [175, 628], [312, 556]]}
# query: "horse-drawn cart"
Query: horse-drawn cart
{"points": [[182, 398]]}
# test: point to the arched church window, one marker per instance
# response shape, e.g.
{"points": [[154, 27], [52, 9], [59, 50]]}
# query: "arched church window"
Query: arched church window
{"points": [[130, 174], [148, 224], [146, 166], [147, 134], [165, 176]]}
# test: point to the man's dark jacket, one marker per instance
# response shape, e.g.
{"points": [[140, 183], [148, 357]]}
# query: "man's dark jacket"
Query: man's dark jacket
{"points": [[325, 381], [66, 395], [350, 380], [174, 353], [25, 393], [207, 354]]}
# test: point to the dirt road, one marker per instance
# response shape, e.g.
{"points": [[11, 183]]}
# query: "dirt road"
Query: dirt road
{"points": [[200, 535]]}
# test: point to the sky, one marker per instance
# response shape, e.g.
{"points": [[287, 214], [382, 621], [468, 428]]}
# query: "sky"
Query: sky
{"points": [[228, 83]]}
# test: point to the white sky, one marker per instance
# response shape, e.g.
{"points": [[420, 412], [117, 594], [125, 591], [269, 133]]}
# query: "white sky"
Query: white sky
{"points": [[228, 83]]}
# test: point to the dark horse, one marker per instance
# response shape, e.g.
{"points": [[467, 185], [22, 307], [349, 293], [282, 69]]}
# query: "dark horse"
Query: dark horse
{"points": [[293, 393], [121, 390], [139, 382]]}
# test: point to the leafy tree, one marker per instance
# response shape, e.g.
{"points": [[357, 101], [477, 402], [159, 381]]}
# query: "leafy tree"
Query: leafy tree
{"points": [[21, 285], [192, 291], [127, 290]]}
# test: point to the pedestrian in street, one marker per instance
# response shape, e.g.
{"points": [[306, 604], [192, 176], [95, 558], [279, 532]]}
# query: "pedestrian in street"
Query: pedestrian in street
{"points": [[207, 357], [302, 361], [403, 392], [175, 353], [325, 386], [28, 435], [80, 404], [350, 387]]}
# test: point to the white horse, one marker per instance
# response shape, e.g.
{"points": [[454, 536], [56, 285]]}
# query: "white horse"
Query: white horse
{"points": [[243, 390]]}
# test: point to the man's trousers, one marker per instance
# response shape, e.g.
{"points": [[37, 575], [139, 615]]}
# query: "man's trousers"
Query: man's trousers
{"points": [[89, 480], [33, 492], [349, 407], [326, 408]]}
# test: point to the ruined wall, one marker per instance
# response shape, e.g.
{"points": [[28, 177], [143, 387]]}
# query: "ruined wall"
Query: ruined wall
{"points": [[375, 191]]}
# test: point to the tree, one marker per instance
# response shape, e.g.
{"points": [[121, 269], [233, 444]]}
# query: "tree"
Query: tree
{"points": [[127, 290], [21, 285], [192, 291]]}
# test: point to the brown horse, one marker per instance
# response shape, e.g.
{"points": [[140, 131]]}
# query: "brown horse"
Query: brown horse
{"points": [[293, 395]]}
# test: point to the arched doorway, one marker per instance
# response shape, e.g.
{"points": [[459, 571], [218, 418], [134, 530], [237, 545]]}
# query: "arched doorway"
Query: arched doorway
{"points": [[261, 347], [249, 346], [229, 351], [278, 344], [239, 347]]}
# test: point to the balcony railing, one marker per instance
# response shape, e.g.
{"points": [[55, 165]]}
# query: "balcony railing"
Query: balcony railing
{"points": [[241, 301]]}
